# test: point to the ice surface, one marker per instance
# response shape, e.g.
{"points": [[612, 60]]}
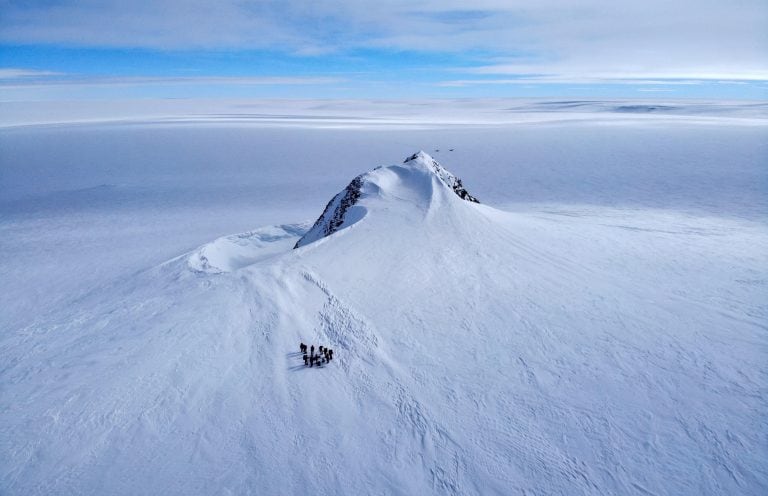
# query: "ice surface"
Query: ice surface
{"points": [[603, 332]]}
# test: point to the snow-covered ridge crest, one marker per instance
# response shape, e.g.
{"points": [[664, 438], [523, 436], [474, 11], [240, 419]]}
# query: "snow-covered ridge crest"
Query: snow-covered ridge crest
{"points": [[344, 210], [446, 176], [335, 213]]}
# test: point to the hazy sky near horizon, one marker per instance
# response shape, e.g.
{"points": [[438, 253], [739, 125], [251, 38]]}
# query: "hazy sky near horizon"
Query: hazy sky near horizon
{"points": [[60, 49]]}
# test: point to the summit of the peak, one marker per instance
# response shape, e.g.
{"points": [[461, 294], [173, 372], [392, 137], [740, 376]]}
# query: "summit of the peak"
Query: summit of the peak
{"points": [[421, 156], [420, 174], [448, 178]]}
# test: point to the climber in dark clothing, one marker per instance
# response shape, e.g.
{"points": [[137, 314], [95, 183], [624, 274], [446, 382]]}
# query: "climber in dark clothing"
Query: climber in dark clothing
{"points": [[306, 360], [312, 350], [303, 348]]}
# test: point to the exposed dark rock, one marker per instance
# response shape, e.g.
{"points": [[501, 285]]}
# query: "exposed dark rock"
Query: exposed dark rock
{"points": [[333, 217], [458, 188], [449, 179]]}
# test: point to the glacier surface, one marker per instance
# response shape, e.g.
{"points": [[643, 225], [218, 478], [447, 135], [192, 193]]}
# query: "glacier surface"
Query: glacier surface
{"points": [[596, 326]]}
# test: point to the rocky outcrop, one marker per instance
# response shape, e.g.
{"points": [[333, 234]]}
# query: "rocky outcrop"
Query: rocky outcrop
{"points": [[333, 216]]}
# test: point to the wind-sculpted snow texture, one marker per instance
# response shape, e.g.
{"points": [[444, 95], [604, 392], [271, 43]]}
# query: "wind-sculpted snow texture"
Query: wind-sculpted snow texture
{"points": [[566, 351]]}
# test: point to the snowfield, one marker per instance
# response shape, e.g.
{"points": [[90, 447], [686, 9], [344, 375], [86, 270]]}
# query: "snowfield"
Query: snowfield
{"points": [[550, 347]]}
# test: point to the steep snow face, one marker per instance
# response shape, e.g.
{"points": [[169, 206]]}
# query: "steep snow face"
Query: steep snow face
{"points": [[421, 175]]}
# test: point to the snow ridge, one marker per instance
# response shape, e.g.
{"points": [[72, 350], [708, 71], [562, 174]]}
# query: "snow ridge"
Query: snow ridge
{"points": [[447, 177], [334, 214]]}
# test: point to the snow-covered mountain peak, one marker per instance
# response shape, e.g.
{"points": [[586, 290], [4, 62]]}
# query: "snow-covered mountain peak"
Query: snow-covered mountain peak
{"points": [[415, 182], [419, 157], [423, 159]]}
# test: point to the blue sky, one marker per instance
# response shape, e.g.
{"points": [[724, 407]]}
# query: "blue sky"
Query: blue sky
{"points": [[387, 49]]}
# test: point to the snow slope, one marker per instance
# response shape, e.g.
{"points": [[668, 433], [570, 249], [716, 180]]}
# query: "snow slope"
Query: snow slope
{"points": [[592, 351]]}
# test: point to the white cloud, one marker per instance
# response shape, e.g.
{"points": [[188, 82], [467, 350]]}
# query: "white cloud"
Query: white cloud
{"points": [[655, 90], [16, 73], [567, 39], [168, 81], [576, 73], [568, 79]]}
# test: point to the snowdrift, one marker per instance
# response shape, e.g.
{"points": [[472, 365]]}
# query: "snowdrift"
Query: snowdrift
{"points": [[230, 253]]}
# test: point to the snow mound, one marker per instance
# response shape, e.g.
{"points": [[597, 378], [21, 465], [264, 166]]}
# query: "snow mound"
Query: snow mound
{"points": [[230, 253], [415, 181]]}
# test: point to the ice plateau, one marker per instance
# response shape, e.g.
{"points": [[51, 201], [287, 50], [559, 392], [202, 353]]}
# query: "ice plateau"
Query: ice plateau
{"points": [[477, 351]]}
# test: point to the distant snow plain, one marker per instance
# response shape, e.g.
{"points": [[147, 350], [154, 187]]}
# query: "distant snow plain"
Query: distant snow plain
{"points": [[94, 194]]}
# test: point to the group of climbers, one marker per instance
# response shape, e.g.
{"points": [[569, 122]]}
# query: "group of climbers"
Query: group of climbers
{"points": [[324, 355]]}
